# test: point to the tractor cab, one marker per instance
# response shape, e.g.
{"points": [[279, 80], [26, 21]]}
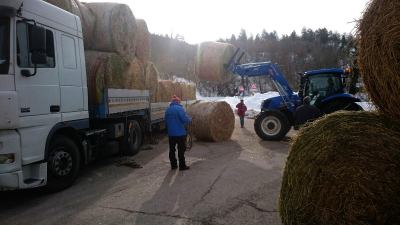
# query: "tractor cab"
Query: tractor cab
{"points": [[326, 88]]}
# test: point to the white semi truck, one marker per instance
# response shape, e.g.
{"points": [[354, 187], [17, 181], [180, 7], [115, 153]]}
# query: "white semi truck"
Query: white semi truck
{"points": [[48, 128]]}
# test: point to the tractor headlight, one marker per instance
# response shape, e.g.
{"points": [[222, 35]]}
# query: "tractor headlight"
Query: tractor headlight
{"points": [[7, 158]]}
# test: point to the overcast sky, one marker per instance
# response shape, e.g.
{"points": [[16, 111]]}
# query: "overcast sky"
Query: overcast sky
{"points": [[208, 20]]}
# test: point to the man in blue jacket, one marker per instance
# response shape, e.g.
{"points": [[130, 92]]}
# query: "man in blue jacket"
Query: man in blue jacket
{"points": [[176, 119]]}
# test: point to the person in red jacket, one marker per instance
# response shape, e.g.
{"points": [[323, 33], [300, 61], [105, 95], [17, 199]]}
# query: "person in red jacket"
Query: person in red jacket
{"points": [[241, 111]]}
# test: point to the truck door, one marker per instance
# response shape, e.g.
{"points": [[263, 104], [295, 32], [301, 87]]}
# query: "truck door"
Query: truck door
{"points": [[38, 94], [70, 70]]}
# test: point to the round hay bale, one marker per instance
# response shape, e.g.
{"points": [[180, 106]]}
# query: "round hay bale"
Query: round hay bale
{"points": [[379, 54], [151, 83], [135, 75], [165, 90], [115, 29], [143, 41], [343, 169], [109, 70], [68, 5], [188, 91], [212, 121], [211, 58], [178, 89], [88, 23]]}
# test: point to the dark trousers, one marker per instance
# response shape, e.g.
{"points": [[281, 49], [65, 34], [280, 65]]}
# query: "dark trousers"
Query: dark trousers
{"points": [[241, 121], [181, 142]]}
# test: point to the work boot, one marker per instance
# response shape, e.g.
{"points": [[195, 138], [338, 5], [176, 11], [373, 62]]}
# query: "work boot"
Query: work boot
{"points": [[184, 168]]}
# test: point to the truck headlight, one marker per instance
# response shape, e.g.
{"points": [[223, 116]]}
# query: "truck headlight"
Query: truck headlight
{"points": [[7, 158]]}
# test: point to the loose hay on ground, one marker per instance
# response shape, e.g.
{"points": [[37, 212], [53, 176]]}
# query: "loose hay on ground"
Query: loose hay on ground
{"points": [[343, 169], [212, 121], [379, 54]]}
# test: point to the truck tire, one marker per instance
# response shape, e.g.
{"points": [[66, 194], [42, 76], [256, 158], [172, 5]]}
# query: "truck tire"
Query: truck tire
{"points": [[63, 164], [271, 125], [134, 139]]}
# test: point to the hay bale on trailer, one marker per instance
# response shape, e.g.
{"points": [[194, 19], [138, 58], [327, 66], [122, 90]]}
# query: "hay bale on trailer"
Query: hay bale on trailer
{"points": [[188, 91], [151, 80], [143, 41], [115, 29], [135, 75], [165, 90], [109, 70], [68, 5], [211, 58], [343, 169], [212, 121], [379, 55], [88, 21]]}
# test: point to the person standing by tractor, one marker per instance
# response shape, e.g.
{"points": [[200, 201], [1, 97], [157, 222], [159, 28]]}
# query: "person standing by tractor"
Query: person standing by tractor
{"points": [[241, 111], [176, 119]]}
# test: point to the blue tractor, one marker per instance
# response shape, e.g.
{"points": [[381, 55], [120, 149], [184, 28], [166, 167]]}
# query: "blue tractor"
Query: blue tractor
{"points": [[325, 87]]}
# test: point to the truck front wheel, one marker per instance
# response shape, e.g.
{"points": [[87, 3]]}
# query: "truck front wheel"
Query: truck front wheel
{"points": [[134, 139], [63, 164], [271, 126]]}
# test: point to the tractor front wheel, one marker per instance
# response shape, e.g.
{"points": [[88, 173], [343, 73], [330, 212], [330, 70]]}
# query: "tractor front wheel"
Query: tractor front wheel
{"points": [[271, 125]]}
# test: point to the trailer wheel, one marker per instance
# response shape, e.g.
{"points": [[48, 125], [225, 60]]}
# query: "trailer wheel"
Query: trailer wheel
{"points": [[63, 164], [271, 125], [134, 138]]}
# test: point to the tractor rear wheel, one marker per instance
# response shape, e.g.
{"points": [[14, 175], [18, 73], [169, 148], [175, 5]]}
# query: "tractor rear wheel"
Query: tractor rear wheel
{"points": [[271, 125]]}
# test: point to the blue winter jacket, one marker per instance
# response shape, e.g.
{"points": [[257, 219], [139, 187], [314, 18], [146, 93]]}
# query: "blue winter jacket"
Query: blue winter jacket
{"points": [[176, 119]]}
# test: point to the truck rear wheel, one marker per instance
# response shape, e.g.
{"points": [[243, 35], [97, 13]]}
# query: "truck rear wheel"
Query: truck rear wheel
{"points": [[271, 126], [134, 139], [63, 164]]}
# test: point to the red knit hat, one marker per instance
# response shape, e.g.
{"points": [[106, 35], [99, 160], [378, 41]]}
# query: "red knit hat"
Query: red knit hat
{"points": [[175, 99]]}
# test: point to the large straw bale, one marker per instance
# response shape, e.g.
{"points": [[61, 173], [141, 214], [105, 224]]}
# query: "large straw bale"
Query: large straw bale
{"points": [[151, 82], [88, 21], [212, 121], [211, 58], [187, 91], [143, 41], [343, 169], [115, 29], [165, 90], [109, 70], [68, 5], [379, 54]]}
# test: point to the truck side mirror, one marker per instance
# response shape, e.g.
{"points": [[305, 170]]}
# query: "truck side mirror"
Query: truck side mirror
{"points": [[37, 45]]}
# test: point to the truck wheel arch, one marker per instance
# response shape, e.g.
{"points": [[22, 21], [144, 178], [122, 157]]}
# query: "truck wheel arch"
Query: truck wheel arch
{"points": [[70, 131]]}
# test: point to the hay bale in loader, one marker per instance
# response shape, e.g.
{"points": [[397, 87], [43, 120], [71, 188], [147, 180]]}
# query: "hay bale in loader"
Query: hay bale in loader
{"points": [[212, 121], [211, 58], [115, 29], [379, 55], [143, 41], [343, 169], [109, 70], [151, 80]]}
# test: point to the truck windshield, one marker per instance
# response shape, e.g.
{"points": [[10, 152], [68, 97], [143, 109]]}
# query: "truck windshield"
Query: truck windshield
{"points": [[4, 45]]}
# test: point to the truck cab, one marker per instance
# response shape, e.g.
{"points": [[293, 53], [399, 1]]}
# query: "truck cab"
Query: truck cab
{"points": [[43, 92]]}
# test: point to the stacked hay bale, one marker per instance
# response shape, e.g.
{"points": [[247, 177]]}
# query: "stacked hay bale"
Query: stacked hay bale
{"points": [[143, 41], [212, 121], [117, 51], [211, 58], [345, 168]]}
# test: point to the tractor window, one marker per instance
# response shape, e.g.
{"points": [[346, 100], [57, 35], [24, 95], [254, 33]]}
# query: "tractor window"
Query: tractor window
{"points": [[4, 45], [323, 85]]}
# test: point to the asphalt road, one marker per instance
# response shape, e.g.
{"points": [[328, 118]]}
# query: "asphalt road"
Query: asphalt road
{"points": [[232, 182]]}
